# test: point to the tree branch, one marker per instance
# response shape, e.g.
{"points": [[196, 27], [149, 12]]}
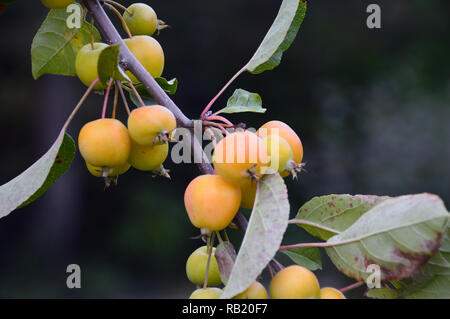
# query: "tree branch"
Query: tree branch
{"points": [[129, 62]]}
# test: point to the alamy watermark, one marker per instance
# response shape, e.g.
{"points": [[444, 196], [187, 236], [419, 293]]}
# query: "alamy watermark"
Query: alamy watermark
{"points": [[374, 19]]}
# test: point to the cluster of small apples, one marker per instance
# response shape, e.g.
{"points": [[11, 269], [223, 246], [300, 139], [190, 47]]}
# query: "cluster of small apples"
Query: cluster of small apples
{"points": [[110, 148], [142, 22], [196, 267], [293, 282], [297, 282], [240, 159]]}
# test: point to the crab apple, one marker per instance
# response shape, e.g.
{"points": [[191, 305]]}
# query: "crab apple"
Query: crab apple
{"points": [[211, 202], [255, 291], [280, 153], [331, 293], [240, 155], [147, 158], [287, 133], [141, 19], [206, 293], [98, 171], [149, 52], [196, 267], [86, 64], [150, 125], [56, 4], [104, 143], [295, 282]]}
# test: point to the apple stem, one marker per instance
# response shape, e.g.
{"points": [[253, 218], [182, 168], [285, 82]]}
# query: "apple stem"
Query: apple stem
{"points": [[105, 102], [119, 6], [122, 94], [125, 25], [81, 102], [222, 90], [209, 249], [137, 94], [116, 97]]}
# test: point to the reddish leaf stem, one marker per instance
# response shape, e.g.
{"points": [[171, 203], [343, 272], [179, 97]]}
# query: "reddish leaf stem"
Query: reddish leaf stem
{"points": [[352, 286], [124, 99], [105, 102], [222, 90], [136, 93]]}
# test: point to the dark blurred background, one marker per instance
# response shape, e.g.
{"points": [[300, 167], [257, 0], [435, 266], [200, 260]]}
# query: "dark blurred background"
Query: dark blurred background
{"points": [[371, 107]]}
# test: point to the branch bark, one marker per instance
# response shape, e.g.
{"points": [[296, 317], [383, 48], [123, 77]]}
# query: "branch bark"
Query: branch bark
{"points": [[129, 62]]}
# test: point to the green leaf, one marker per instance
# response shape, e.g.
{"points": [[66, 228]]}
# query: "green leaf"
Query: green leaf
{"points": [[225, 256], [108, 65], [433, 279], [308, 257], [33, 182], [243, 101], [266, 227], [399, 235], [170, 87], [55, 46], [382, 293], [64, 158], [333, 214], [280, 36]]}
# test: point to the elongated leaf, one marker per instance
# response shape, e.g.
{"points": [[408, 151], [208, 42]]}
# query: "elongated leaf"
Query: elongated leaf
{"points": [[280, 36], [308, 257], [225, 256], [33, 182], [55, 45], [399, 235], [335, 213], [243, 101], [108, 65], [266, 227]]}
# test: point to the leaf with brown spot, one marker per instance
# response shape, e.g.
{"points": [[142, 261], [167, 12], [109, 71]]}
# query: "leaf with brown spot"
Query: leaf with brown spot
{"points": [[335, 213], [399, 235]]}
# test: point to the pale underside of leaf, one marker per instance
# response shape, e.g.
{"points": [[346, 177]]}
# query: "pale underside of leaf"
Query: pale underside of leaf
{"points": [[335, 213], [225, 256], [280, 36], [34, 181], [266, 227], [399, 235], [55, 45]]}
